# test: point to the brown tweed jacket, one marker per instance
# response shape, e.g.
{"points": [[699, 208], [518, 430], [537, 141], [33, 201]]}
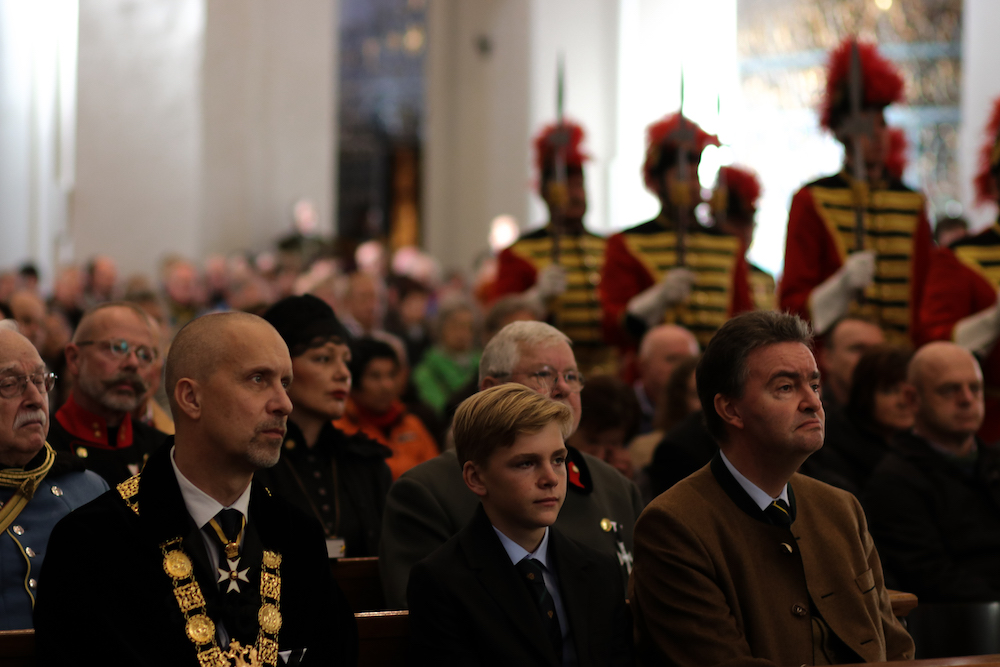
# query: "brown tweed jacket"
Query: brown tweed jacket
{"points": [[715, 583]]}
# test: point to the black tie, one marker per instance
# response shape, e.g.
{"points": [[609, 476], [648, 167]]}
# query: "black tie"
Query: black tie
{"points": [[231, 523], [779, 513], [531, 570]]}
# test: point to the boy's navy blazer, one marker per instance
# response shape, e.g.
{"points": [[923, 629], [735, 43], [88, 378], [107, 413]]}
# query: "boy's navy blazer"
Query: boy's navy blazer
{"points": [[469, 606]]}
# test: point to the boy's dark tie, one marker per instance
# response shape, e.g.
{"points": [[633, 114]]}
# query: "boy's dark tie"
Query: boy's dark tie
{"points": [[531, 570]]}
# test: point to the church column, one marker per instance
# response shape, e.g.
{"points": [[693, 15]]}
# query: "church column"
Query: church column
{"points": [[980, 86]]}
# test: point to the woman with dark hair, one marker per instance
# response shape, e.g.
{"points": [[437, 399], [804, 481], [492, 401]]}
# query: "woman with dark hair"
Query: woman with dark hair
{"points": [[340, 479], [880, 406], [374, 407], [609, 419]]}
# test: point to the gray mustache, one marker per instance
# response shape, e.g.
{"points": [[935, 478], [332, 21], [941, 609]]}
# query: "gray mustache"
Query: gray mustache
{"points": [[30, 416], [138, 384]]}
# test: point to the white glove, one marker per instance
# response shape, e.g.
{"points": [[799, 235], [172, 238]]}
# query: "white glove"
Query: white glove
{"points": [[977, 333], [551, 282], [831, 298], [650, 304]]}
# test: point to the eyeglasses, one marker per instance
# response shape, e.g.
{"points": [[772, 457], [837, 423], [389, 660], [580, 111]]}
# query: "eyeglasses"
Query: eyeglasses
{"points": [[545, 378], [120, 348], [13, 386]]}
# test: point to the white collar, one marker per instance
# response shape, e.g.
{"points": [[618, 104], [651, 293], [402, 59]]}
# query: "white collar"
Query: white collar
{"points": [[201, 506], [758, 495], [517, 553]]}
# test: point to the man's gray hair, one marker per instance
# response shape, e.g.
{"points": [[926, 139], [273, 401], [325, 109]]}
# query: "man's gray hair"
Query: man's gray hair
{"points": [[9, 325], [504, 350]]}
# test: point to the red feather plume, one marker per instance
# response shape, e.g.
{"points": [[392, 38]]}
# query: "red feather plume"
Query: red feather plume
{"points": [[895, 159], [658, 139], [989, 159], [882, 83], [547, 146], [742, 185]]}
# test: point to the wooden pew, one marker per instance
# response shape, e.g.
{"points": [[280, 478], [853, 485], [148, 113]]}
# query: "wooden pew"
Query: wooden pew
{"points": [[902, 603], [382, 641], [17, 648], [383, 638], [966, 661], [361, 582]]}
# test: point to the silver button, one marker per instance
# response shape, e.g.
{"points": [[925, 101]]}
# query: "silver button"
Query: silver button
{"points": [[32, 583], [18, 530], [30, 552], [56, 491]]}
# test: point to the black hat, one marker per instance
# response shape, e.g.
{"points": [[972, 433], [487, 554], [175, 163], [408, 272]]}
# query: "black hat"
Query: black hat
{"points": [[305, 322]]}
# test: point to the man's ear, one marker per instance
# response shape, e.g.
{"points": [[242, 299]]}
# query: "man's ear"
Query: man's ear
{"points": [[72, 360], [726, 408], [187, 396], [489, 381], [473, 480]]}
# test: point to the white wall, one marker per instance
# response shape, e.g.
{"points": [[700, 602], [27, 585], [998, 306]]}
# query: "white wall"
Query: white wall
{"points": [[478, 123], [980, 87], [37, 113], [268, 105], [201, 122], [138, 131]]}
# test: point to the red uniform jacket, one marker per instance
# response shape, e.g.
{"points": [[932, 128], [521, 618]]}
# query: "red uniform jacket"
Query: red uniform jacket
{"points": [[638, 258], [577, 312], [962, 282], [821, 235]]}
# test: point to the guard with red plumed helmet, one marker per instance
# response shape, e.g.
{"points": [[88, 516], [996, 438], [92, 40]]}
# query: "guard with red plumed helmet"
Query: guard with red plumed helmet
{"points": [[735, 204], [672, 269], [961, 300], [559, 264], [858, 242]]}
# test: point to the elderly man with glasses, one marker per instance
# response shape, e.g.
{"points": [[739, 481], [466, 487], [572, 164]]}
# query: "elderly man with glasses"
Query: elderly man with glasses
{"points": [[430, 503], [37, 488], [112, 345]]}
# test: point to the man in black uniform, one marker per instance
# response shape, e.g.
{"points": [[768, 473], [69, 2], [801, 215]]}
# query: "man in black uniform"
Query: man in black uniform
{"points": [[190, 563], [113, 342]]}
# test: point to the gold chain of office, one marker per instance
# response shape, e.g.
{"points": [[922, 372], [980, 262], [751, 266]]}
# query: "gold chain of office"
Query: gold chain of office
{"points": [[200, 629]]}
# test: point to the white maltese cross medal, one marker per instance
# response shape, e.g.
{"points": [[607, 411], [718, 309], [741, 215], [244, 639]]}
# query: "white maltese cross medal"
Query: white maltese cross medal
{"points": [[233, 575]]}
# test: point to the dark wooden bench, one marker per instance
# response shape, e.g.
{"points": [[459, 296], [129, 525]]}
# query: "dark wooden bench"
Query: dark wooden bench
{"points": [[361, 582], [382, 641]]}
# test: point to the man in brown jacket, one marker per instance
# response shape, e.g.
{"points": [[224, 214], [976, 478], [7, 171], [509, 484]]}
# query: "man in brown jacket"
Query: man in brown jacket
{"points": [[746, 562]]}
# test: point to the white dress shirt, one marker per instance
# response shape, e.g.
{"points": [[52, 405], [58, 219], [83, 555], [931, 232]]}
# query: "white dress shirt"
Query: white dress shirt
{"points": [[758, 495]]}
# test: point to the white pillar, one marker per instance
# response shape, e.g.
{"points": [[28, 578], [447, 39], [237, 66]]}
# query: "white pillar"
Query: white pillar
{"points": [[201, 122], [476, 156], [980, 87], [138, 131], [268, 92], [37, 113]]}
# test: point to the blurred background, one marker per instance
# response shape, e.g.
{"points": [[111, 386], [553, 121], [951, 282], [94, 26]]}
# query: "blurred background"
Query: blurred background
{"points": [[152, 129]]}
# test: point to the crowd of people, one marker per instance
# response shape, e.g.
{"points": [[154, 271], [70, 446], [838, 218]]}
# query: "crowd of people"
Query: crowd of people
{"points": [[645, 416]]}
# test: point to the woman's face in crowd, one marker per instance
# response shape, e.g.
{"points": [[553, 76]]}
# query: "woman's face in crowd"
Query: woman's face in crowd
{"points": [[457, 332], [377, 387], [894, 408], [321, 380]]}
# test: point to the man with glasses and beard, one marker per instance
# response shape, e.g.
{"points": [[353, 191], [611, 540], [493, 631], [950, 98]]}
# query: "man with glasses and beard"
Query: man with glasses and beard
{"points": [[112, 344], [37, 488]]}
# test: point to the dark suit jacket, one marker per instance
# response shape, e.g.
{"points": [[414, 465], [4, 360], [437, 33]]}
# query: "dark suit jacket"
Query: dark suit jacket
{"points": [[468, 605], [104, 598], [715, 583], [430, 503]]}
